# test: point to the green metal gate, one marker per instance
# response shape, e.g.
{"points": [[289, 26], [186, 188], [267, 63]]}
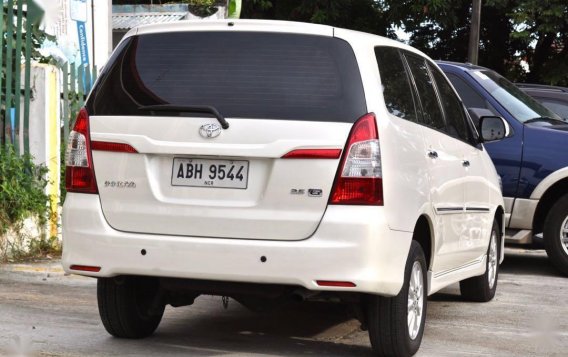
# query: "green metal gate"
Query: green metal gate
{"points": [[15, 60], [16, 44]]}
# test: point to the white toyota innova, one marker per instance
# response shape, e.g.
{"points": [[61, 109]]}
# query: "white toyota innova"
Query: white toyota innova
{"points": [[267, 161]]}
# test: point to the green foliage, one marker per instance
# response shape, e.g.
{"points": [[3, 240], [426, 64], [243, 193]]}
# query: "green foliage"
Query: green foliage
{"points": [[511, 30], [541, 27], [535, 31], [22, 185], [201, 8], [361, 15]]}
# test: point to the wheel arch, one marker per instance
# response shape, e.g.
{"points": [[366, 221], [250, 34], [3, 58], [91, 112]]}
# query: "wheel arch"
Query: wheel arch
{"points": [[547, 199], [423, 234], [500, 218]]}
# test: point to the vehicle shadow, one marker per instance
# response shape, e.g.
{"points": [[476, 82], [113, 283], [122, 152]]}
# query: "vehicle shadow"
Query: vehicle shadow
{"points": [[517, 262], [528, 262], [314, 329]]}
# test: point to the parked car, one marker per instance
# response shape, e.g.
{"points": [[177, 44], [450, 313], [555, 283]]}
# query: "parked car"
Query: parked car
{"points": [[274, 161], [552, 97], [531, 161]]}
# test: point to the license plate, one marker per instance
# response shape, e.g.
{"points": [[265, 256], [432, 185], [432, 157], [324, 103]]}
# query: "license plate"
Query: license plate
{"points": [[210, 173]]}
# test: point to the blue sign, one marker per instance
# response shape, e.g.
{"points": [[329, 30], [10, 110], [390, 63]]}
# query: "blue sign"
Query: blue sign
{"points": [[12, 115], [83, 47]]}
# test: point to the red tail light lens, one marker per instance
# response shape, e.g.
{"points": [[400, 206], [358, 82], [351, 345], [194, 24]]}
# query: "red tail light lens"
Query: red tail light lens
{"points": [[359, 177], [79, 171]]}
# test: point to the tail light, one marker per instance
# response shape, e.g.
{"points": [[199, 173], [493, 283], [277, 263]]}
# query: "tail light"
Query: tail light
{"points": [[359, 177], [79, 170]]}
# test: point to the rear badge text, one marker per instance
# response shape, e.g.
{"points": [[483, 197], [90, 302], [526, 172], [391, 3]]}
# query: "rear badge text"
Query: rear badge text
{"points": [[120, 184], [312, 192]]}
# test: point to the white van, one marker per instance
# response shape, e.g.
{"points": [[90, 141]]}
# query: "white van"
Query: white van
{"points": [[268, 161]]}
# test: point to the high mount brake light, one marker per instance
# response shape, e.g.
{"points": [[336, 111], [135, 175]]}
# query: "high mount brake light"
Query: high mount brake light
{"points": [[359, 177]]}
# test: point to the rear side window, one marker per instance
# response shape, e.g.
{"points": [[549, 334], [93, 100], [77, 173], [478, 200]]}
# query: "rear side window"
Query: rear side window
{"points": [[241, 74], [432, 112], [397, 90]]}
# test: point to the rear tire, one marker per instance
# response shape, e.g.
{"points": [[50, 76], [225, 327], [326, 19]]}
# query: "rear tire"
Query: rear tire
{"points": [[556, 234], [482, 288], [128, 306], [396, 324]]}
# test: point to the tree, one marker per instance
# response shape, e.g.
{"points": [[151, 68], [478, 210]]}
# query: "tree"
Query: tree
{"points": [[361, 15], [513, 32], [542, 27]]}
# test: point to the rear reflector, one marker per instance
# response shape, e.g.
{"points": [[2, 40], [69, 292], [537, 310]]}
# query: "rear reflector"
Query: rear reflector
{"points": [[85, 268], [340, 284], [116, 147], [313, 154]]}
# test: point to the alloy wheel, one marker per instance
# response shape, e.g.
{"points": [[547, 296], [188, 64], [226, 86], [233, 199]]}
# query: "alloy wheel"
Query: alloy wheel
{"points": [[415, 300]]}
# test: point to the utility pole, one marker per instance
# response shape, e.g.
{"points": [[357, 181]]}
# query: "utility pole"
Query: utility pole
{"points": [[473, 48]]}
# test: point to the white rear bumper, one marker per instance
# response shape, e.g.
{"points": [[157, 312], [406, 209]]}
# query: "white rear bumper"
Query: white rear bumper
{"points": [[352, 244]]}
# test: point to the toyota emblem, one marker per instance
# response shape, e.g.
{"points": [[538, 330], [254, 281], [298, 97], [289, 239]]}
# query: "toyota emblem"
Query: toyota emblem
{"points": [[210, 130]]}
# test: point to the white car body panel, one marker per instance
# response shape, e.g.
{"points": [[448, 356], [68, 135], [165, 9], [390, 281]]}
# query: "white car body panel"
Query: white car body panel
{"points": [[265, 210], [353, 244], [304, 239]]}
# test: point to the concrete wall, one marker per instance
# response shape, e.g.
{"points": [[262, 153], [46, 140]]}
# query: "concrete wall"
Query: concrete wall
{"points": [[45, 131]]}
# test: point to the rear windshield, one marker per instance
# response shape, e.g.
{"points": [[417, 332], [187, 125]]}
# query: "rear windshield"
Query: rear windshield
{"points": [[241, 74]]}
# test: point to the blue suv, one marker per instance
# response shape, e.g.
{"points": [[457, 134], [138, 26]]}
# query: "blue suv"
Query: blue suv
{"points": [[532, 161]]}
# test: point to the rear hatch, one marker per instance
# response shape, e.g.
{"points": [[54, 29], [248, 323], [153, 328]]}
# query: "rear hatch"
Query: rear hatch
{"points": [[285, 97]]}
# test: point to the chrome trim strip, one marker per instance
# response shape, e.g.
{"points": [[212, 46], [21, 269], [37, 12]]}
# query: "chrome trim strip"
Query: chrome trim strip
{"points": [[449, 209], [477, 209]]}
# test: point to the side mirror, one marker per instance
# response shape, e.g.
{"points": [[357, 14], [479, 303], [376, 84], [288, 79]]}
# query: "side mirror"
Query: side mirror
{"points": [[493, 128], [477, 113]]}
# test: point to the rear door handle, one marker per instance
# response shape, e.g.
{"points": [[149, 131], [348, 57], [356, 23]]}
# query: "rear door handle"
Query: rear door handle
{"points": [[432, 154], [465, 163]]}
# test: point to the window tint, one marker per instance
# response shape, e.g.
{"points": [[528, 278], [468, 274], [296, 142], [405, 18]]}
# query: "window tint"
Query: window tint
{"points": [[432, 113], [241, 74], [453, 109], [397, 90], [470, 98]]}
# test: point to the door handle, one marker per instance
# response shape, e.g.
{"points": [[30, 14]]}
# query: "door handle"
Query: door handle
{"points": [[465, 163], [432, 154]]}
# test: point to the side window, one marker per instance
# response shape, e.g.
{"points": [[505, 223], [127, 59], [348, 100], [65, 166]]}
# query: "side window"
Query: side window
{"points": [[432, 113], [471, 99], [397, 90], [453, 109]]}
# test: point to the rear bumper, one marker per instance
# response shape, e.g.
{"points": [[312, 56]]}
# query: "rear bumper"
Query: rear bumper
{"points": [[352, 243]]}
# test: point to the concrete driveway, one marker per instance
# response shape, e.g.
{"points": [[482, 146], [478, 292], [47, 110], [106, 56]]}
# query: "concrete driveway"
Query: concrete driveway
{"points": [[45, 313]]}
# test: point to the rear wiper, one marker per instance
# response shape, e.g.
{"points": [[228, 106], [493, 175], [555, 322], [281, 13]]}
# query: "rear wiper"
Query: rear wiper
{"points": [[187, 109]]}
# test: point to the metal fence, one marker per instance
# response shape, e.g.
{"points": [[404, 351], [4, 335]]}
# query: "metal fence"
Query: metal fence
{"points": [[17, 48], [76, 84]]}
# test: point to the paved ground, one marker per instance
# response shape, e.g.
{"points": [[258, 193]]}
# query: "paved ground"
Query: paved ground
{"points": [[44, 313]]}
